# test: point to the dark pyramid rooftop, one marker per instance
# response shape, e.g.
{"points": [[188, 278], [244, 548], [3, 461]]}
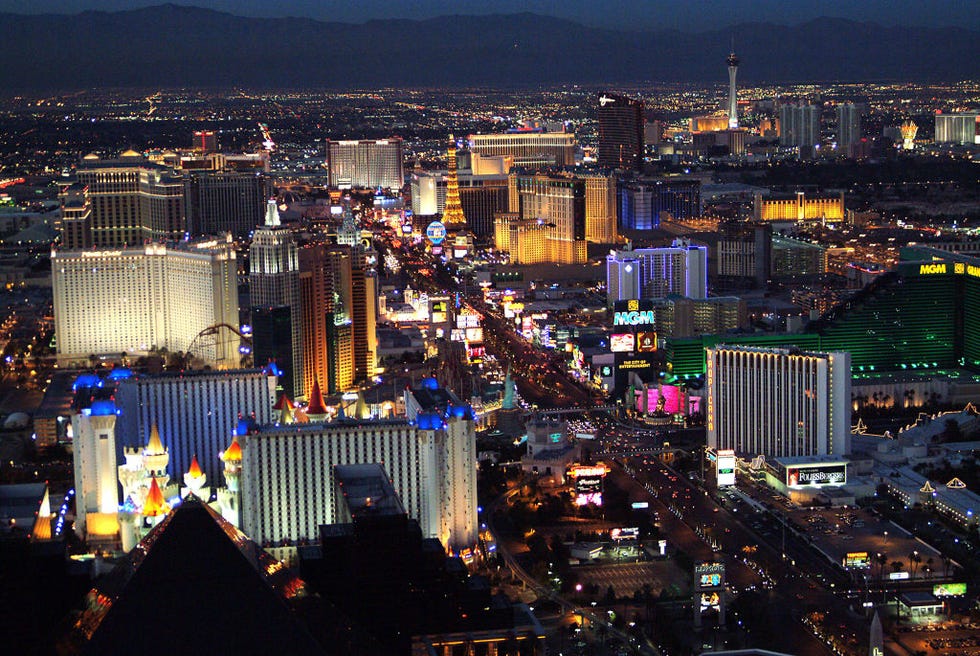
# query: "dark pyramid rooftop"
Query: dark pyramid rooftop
{"points": [[195, 585]]}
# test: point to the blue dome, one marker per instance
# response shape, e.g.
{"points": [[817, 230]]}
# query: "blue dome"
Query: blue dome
{"points": [[103, 408], [245, 425], [86, 380], [430, 384], [461, 411], [429, 421], [119, 373]]}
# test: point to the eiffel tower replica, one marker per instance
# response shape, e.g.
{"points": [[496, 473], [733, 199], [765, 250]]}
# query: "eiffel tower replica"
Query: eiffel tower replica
{"points": [[452, 214]]}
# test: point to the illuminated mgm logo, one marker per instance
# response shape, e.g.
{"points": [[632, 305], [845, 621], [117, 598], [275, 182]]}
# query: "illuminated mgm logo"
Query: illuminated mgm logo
{"points": [[634, 318], [633, 315]]}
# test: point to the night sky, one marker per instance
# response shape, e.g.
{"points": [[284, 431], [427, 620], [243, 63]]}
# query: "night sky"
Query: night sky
{"points": [[688, 15]]}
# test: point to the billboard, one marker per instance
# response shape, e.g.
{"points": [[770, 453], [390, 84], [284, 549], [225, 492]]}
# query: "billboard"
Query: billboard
{"points": [[632, 533], [439, 312], [588, 483], [474, 334], [588, 489], [634, 313], [436, 232], [467, 320], [623, 343], [666, 399], [725, 467], [816, 475], [949, 589], [646, 342], [898, 576], [857, 559], [708, 576], [710, 600]]}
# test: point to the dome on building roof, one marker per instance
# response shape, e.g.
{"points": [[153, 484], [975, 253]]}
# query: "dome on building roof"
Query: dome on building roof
{"points": [[120, 373], [17, 420], [102, 408], [85, 380]]}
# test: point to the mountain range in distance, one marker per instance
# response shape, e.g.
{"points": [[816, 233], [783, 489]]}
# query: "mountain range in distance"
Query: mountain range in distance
{"points": [[178, 46]]}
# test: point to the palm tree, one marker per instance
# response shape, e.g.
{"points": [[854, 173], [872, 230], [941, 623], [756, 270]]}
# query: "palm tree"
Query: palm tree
{"points": [[881, 559], [946, 564], [914, 560]]}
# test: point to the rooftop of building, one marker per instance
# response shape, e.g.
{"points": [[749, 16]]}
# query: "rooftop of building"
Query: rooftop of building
{"points": [[21, 503], [919, 598], [773, 350], [367, 490], [799, 461], [193, 374], [337, 423], [196, 246], [430, 396]]}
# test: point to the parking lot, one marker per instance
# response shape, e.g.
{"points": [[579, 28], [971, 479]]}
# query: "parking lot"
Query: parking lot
{"points": [[626, 579], [838, 532]]}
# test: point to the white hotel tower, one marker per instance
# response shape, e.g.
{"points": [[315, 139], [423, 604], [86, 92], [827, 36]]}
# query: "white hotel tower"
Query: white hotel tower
{"points": [[778, 402], [132, 300], [287, 479], [681, 268]]}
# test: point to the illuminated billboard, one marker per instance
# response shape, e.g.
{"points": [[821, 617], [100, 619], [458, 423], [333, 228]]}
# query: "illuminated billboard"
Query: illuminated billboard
{"points": [[624, 343], [857, 559], [636, 313], [949, 589], [474, 335], [816, 475], [436, 233], [709, 576], [646, 342], [709, 581], [467, 320], [588, 483], [588, 489], [668, 399], [631, 533], [439, 312], [725, 467], [710, 601]]}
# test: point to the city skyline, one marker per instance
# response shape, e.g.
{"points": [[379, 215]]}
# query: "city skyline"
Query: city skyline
{"points": [[460, 335]]}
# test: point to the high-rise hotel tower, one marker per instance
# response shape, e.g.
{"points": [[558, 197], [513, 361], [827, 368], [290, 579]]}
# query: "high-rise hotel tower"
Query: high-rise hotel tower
{"points": [[134, 300], [620, 132], [778, 402]]}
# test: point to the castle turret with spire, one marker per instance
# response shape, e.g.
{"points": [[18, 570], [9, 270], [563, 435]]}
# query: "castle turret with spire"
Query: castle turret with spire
{"points": [[229, 496], [146, 487]]}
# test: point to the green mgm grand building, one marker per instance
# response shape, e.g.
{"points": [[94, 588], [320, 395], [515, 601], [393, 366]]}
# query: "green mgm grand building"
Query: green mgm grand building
{"points": [[922, 318]]}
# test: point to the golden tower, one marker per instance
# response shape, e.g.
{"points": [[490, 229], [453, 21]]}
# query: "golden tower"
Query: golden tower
{"points": [[452, 214]]}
